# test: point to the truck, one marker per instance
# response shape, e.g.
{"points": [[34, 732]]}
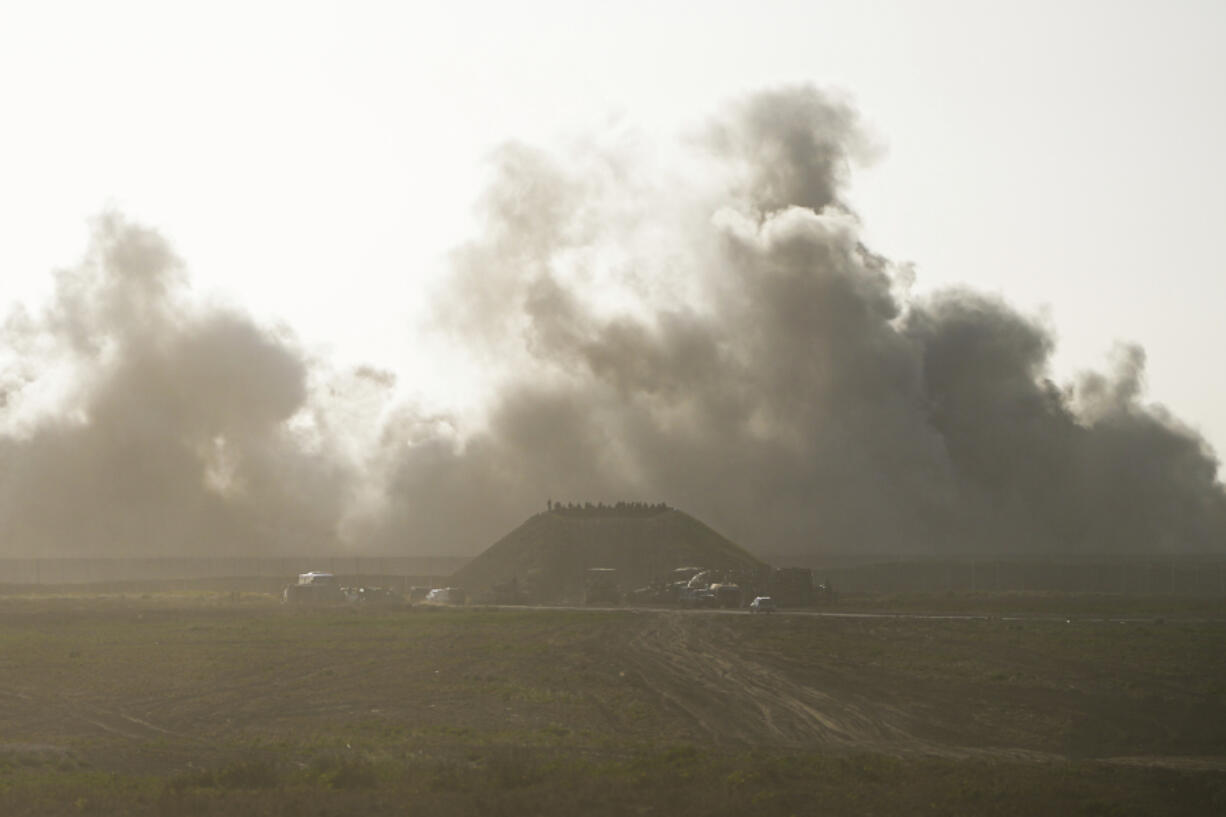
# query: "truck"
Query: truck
{"points": [[314, 588]]}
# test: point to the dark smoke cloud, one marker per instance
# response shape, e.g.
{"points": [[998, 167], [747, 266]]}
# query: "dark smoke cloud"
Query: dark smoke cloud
{"points": [[719, 338], [793, 398]]}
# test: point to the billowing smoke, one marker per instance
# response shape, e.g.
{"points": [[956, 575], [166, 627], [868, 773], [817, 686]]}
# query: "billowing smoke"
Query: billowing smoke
{"points": [[711, 332], [138, 421], [730, 344]]}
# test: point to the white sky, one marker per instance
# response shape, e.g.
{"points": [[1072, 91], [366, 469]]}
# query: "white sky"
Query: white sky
{"points": [[313, 161]]}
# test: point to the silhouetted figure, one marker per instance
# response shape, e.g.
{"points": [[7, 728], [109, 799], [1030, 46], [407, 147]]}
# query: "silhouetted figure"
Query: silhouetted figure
{"points": [[621, 508]]}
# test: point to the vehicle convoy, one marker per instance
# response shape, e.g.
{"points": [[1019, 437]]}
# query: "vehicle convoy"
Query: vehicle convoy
{"points": [[728, 588], [600, 586], [314, 588], [324, 588], [371, 595]]}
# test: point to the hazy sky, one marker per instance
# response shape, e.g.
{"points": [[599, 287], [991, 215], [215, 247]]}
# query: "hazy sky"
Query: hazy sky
{"points": [[314, 162]]}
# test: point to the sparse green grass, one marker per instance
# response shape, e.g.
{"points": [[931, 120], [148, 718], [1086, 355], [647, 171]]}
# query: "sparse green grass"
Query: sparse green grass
{"points": [[1018, 603], [249, 708], [683, 780]]}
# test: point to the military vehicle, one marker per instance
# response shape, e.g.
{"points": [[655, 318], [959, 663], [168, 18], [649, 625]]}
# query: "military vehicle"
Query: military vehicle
{"points": [[600, 586], [314, 588]]}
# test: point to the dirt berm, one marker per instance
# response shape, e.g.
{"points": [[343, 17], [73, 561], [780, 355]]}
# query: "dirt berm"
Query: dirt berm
{"points": [[549, 553]]}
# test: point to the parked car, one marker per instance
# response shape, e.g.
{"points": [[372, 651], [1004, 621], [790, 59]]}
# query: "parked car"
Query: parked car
{"points": [[762, 604]]}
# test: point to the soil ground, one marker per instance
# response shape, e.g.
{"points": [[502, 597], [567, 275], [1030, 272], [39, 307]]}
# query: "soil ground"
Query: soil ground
{"points": [[216, 703]]}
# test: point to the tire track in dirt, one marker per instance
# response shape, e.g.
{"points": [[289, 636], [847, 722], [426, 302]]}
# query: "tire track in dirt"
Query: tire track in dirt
{"points": [[41, 711], [737, 700]]}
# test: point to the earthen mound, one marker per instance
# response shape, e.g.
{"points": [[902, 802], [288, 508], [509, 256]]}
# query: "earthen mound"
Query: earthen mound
{"points": [[548, 556]]}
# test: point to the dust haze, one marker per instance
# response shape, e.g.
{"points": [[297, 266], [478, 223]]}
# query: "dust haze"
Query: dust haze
{"points": [[712, 332]]}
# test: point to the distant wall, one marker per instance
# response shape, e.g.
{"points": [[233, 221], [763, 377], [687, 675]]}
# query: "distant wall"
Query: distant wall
{"points": [[1192, 576], [92, 571]]}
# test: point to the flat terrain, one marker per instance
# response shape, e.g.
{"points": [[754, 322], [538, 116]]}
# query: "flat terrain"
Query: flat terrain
{"points": [[230, 704]]}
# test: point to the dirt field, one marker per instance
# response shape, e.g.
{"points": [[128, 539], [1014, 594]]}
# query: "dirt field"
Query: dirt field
{"points": [[228, 704]]}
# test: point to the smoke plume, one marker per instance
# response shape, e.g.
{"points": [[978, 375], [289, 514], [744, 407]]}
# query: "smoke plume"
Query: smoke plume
{"points": [[763, 369], [141, 422], [714, 334]]}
